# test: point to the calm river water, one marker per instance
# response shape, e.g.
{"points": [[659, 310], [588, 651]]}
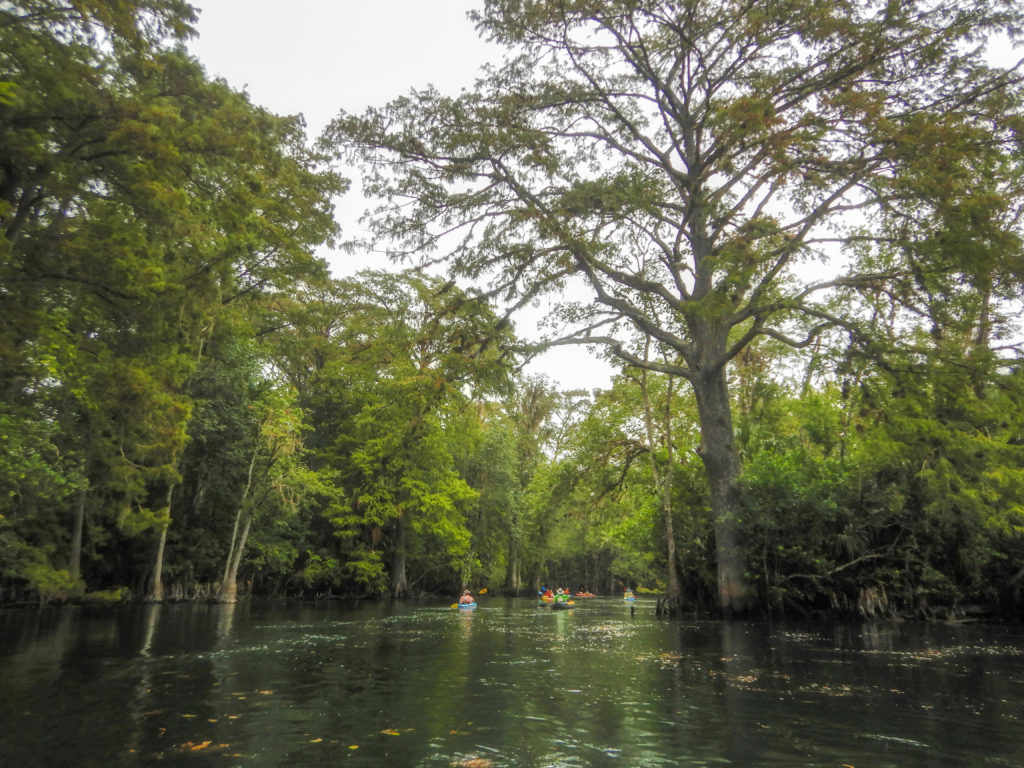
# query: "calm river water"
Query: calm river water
{"points": [[509, 684]]}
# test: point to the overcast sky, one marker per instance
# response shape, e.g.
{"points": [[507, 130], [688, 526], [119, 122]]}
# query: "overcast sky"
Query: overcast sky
{"points": [[316, 57]]}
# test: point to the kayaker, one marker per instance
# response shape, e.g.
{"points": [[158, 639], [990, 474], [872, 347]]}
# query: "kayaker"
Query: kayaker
{"points": [[467, 597]]}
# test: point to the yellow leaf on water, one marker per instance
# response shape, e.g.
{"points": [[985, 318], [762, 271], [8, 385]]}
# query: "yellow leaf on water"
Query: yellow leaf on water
{"points": [[353, 746], [390, 732], [315, 741], [201, 745], [264, 693]]}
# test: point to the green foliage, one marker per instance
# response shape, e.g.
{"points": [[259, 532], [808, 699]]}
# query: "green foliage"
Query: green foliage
{"points": [[48, 582], [138, 200], [108, 596], [174, 358]]}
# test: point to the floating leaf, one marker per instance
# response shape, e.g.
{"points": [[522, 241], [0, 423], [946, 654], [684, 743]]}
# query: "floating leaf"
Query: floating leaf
{"points": [[353, 746], [390, 732], [315, 741]]}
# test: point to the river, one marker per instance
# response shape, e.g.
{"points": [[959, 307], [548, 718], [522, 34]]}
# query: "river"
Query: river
{"points": [[508, 684]]}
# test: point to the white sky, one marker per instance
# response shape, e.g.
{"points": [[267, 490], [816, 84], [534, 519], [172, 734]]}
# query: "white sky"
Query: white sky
{"points": [[316, 57]]}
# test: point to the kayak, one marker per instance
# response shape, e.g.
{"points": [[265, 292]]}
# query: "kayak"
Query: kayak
{"points": [[467, 606], [584, 594], [629, 599], [562, 606]]}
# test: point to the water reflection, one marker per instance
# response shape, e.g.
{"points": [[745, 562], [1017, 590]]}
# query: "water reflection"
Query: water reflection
{"points": [[225, 613], [151, 617], [510, 684]]}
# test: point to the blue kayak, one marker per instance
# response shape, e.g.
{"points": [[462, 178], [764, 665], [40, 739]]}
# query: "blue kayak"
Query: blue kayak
{"points": [[467, 606]]}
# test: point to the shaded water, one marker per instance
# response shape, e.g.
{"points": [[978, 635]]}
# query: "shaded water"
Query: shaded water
{"points": [[509, 684]]}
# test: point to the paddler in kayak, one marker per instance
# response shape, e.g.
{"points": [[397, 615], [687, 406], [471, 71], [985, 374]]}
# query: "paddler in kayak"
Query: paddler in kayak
{"points": [[467, 598]]}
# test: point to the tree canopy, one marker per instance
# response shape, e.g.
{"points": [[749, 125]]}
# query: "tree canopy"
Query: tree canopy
{"points": [[794, 226], [685, 160]]}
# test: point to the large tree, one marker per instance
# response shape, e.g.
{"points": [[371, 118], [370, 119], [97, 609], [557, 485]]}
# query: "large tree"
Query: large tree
{"points": [[683, 159]]}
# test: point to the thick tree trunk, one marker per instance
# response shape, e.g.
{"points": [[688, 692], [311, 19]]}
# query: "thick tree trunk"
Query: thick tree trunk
{"points": [[722, 465], [399, 581]]}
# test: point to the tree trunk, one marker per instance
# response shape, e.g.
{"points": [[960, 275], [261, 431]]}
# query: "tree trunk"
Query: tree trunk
{"points": [[722, 466], [229, 582], [229, 586], [156, 594], [399, 581], [513, 582], [75, 564]]}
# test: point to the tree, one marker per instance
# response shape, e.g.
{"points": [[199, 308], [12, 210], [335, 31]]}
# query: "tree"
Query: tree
{"points": [[388, 365], [682, 159], [138, 199], [275, 476]]}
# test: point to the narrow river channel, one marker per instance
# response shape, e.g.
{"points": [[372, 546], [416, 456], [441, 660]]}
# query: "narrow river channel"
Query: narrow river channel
{"points": [[508, 684]]}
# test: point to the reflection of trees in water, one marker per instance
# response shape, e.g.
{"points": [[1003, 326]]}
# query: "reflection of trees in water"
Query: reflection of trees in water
{"points": [[225, 613], [738, 706], [522, 686], [151, 617], [42, 642]]}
